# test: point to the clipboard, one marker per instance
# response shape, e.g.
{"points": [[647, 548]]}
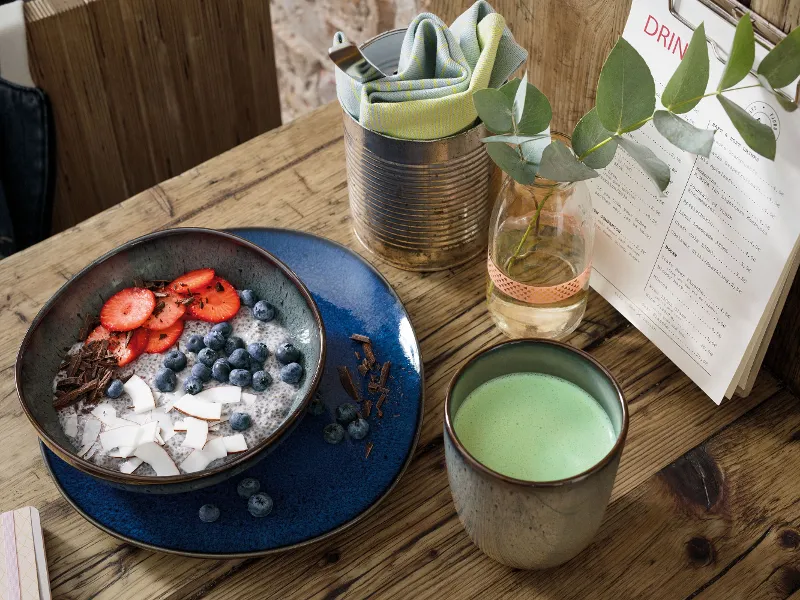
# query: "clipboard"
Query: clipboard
{"points": [[766, 34]]}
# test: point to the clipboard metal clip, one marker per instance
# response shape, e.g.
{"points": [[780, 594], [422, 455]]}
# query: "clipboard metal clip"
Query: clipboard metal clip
{"points": [[766, 34]]}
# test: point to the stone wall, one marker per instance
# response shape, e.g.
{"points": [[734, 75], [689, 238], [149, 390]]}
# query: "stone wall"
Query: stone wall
{"points": [[303, 30]]}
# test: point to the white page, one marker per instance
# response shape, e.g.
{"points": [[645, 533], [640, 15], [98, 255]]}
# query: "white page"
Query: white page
{"points": [[694, 270]]}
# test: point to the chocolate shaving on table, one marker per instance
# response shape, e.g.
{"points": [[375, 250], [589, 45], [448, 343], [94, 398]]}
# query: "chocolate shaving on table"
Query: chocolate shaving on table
{"points": [[370, 445], [373, 387], [383, 390], [367, 407], [385, 373], [363, 368], [89, 323], [360, 338], [347, 383], [358, 356], [369, 354], [378, 406]]}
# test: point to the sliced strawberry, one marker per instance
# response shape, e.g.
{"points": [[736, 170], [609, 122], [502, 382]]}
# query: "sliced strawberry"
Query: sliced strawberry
{"points": [[192, 281], [126, 350], [216, 302], [127, 309], [168, 309], [160, 340]]}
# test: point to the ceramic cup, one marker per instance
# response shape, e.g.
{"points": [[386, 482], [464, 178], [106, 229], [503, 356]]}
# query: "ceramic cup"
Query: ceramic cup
{"points": [[529, 524]]}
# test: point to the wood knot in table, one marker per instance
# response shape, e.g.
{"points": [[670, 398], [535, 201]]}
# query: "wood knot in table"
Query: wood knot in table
{"points": [[696, 482], [700, 551], [788, 581], [789, 539]]}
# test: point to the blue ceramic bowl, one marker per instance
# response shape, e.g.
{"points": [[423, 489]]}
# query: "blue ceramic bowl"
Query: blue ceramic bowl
{"points": [[164, 255]]}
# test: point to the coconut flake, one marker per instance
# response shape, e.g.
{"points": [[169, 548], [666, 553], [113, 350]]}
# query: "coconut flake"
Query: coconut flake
{"points": [[223, 394], [140, 393], [105, 412], [165, 421], [148, 433], [121, 436], [171, 400], [179, 425], [92, 451], [140, 419], [249, 398], [234, 443], [155, 456], [196, 461], [71, 424], [215, 448], [91, 429], [129, 466], [196, 433], [122, 452], [200, 409], [159, 439]]}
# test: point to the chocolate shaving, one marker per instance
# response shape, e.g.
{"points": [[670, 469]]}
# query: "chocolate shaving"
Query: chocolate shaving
{"points": [[373, 387], [367, 407], [74, 363], [347, 383], [75, 395], [220, 287], [360, 338], [378, 406], [369, 354], [383, 390], [385, 373], [358, 356], [162, 336], [370, 445], [363, 368], [69, 382], [89, 323], [187, 301], [88, 371], [161, 294], [160, 306]]}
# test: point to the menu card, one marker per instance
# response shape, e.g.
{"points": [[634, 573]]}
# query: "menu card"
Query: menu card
{"points": [[702, 270]]}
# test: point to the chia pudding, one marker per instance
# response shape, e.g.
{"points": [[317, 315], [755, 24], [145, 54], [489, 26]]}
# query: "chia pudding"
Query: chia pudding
{"points": [[88, 421]]}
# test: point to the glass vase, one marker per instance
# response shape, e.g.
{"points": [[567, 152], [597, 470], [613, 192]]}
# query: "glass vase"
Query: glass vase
{"points": [[540, 257]]}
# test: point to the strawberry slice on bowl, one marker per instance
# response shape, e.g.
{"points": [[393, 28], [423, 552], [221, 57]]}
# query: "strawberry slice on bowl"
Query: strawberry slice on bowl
{"points": [[125, 346], [128, 309], [192, 281], [160, 340], [169, 308], [216, 302]]}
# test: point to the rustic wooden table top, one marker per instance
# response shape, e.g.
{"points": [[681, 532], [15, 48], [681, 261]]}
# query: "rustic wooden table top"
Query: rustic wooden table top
{"points": [[705, 503]]}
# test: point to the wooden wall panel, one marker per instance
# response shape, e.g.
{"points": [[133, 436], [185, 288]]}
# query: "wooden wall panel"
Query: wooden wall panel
{"points": [[144, 89]]}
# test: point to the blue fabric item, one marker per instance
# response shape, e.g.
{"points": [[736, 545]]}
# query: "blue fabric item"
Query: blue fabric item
{"points": [[316, 487]]}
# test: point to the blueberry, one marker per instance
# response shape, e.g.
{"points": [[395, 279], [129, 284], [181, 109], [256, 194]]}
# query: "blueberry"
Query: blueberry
{"points": [[231, 344], [221, 370], [214, 340], [292, 373], [358, 429], [264, 311], [207, 356], [240, 377], [317, 406], [247, 487], [239, 359], [333, 433], [201, 371], [175, 360], [224, 328], [208, 513], [192, 385], [255, 366], [240, 421], [166, 380], [287, 353], [261, 381], [248, 297], [258, 351], [259, 505], [346, 413], [195, 344], [114, 389]]}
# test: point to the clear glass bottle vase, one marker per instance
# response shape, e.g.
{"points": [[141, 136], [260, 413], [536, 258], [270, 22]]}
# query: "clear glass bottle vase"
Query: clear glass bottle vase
{"points": [[541, 239]]}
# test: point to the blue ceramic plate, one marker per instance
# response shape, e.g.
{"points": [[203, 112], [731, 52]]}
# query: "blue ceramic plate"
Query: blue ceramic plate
{"points": [[318, 489]]}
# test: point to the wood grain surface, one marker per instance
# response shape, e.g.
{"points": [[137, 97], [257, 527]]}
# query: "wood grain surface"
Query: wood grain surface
{"points": [[142, 90], [706, 500]]}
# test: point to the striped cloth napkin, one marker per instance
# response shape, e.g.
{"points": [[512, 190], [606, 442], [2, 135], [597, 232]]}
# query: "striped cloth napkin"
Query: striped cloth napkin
{"points": [[430, 97]]}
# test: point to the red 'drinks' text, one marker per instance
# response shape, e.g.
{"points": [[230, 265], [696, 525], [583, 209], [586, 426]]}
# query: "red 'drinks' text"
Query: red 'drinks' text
{"points": [[665, 37]]}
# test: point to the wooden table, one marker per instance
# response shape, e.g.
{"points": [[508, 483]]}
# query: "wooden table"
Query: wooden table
{"points": [[706, 500]]}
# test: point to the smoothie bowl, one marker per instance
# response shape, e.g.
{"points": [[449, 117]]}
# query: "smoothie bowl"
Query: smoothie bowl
{"points": [[173, 362]]}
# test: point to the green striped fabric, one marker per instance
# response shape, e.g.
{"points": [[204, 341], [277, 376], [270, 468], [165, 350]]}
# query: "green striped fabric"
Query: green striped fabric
{"points": [[431, 95]]}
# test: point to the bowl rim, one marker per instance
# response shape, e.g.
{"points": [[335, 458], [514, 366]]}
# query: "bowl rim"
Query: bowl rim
{"points": [[474, 463], [242, 458]]}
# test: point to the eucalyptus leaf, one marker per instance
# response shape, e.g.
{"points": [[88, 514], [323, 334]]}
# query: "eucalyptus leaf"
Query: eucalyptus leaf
{"points": [[655, 168], [508, 159], [788, 105], [560, 164], [519, 99], [537, 113], [754, 133], [587, 134], [515, 139], [683, 134], [494, 109], [782, 65], [690, 79], [626, 93], [743, 53]]}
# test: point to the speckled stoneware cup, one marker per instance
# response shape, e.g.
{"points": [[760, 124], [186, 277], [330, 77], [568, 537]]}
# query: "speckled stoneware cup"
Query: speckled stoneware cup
{"points": [[529, 524], [165, 255]]}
